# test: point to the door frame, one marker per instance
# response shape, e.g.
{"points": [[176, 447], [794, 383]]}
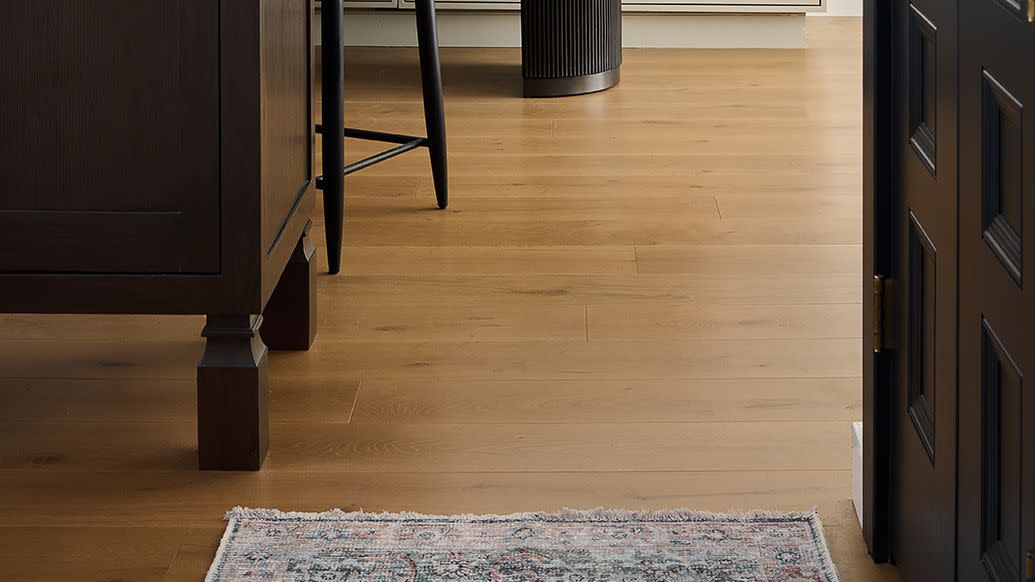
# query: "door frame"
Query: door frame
{"points": [[879, 252]]}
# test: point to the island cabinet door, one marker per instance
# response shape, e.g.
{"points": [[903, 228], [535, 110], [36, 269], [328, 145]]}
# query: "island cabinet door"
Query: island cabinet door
{"points": [[286, 133], [110, 124]]}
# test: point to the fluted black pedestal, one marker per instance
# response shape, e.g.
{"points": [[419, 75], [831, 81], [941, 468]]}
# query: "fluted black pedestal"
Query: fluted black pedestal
{"points": [[570, 46]]}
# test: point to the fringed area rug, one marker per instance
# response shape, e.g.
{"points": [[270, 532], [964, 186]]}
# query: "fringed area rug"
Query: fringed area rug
{"points": [[570, 546]]}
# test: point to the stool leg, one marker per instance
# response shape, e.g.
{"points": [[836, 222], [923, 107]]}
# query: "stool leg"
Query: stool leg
{"points": [[333, 137], [434, 109]]}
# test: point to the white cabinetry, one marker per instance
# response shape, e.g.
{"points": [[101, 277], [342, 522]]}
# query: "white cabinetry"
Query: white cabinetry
{"points": [[640, 5], [369, 3], [646, 23]]}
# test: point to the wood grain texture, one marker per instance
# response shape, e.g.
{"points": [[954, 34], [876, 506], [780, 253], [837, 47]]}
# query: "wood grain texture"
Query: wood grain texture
{"points": [[643, 298], [538, 260], [498, 401], [163, 400], [643, 289], [601, 360], [711, 321]]}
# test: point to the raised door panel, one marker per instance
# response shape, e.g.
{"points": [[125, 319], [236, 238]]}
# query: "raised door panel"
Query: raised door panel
{"points": [[1002, 420], [924, 456], [997, 292], [110, 120]]}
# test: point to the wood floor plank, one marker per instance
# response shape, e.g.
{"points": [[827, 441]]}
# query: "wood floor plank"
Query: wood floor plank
{"points": [[853, 562], [604, 219], [160, 400], [200, 499], [718, 446], [592, 107], [500, 360], [489, 260], [38, 326], [789, 260], [450, 231], [195, 554], [522, 447], [522, 211], [792, 141], [511, 185], [362, 185], [359, 291], [533, 401], [88, 553], [459, 323], [111, 359], [602, 360], [628, 165], [817, 207], [720, 321], [405, 323]]}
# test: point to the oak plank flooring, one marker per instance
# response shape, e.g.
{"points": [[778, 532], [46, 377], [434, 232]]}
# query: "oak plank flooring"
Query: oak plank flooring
{"points": [[490, 260], [602, 360], [642, 298], [534, 188], [164, 498], [602, 401], [789, 260], [422, 447], [486, 229], [643, 289], [163, 400], [711, 321], [89, 553]]}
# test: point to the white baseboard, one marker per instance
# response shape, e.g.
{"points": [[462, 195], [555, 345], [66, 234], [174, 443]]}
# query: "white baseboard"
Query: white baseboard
{"points": [[857, 470], [655, 30]]}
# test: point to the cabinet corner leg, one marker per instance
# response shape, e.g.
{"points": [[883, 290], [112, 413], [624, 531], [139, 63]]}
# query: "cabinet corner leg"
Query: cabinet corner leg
{"points": [[290, 314], [233, 395]]}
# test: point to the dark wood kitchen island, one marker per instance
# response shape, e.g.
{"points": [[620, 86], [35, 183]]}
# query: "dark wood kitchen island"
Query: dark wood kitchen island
{"points": [[158, 158]]}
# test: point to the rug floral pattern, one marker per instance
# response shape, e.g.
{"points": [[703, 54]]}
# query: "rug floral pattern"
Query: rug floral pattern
{"points": [[571, 546]]}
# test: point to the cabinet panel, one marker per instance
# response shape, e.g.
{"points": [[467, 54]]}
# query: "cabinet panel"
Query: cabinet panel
{"points": [[367, 4], [286, 113], [111, 133]]}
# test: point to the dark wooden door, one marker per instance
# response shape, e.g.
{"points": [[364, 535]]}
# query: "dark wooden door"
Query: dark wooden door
{"points": [[110, 124], [923, 471], [997, 290]]}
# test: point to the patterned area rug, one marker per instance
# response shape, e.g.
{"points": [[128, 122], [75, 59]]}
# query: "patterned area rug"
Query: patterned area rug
{"points": [[570, 546]]}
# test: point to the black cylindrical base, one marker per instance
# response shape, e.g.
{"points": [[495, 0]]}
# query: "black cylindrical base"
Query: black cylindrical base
{"points": [[572, 85], [570, 47]]}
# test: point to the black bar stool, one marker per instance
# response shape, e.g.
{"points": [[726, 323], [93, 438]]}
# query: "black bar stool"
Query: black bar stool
{"points": [[334, 132]]}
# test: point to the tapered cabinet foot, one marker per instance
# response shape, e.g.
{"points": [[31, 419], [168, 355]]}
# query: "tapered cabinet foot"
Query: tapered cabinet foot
{"points": [[289, 321], [233, 395]]}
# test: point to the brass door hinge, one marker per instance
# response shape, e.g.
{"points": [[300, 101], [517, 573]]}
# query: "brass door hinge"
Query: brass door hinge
{"points": [[1031, 10], [1029, 567], [882, 313]]}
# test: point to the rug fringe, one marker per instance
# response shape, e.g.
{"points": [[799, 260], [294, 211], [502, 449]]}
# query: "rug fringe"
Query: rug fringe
{"points": [[565, 514]]}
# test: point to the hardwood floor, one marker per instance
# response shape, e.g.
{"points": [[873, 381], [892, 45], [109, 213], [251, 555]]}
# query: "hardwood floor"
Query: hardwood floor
{"points": [[643, 298]]}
